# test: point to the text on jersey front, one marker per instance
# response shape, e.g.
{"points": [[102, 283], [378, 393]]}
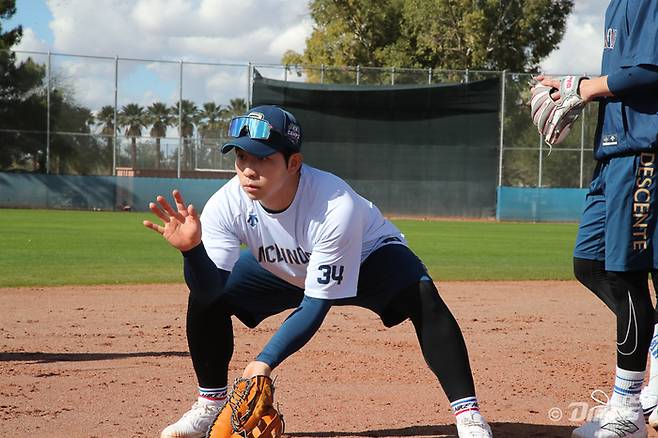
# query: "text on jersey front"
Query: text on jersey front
{"points": [[274, 254]]}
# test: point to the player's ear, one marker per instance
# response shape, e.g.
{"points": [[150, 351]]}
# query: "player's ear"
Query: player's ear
{"points": [[295, 162]]}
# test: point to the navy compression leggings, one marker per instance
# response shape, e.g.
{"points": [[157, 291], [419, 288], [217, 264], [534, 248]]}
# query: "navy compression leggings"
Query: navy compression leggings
{"points": [[210, 340], [627, 295]]}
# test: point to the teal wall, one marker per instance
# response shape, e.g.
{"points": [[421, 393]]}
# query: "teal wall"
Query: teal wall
{"points": [[98, 192], [111, 193], [539, 204]]}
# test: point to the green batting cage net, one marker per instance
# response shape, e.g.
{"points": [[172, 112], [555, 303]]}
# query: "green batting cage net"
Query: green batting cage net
{"points": [[414, 150]]}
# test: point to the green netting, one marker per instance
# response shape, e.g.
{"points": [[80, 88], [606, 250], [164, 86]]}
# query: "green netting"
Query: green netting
{"points": [[411, 149]]}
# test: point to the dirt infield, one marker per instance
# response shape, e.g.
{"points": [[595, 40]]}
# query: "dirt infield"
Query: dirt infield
{"points": [[112, 362]]}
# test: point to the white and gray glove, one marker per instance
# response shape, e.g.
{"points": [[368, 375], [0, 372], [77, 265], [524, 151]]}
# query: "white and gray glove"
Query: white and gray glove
{"points": [[554, 119]]}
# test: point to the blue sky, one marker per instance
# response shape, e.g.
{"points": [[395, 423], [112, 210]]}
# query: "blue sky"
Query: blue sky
{"points": [[35, 15], [217, 31]]}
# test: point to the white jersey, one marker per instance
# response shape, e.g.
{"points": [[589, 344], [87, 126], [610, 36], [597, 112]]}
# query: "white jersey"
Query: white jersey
{"points": [[317, 243]]}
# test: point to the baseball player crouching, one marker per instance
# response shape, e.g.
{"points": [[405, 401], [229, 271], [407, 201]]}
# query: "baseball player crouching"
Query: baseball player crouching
{"points": [[313, 243]]}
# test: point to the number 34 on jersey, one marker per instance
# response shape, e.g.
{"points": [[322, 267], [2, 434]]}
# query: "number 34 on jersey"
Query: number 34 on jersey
{"points": [[330, 273]]}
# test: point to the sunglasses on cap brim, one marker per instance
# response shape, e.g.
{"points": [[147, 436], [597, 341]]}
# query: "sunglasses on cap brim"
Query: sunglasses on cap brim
{"points": [[257, 129]]}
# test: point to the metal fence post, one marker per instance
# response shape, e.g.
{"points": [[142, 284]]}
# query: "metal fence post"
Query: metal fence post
{"points": [[180, 120], [322, 74], [582, 147], [48, 77], [541, 160], [501, 140], [466, 76], [250, 77], [197, 148], [358, 74], [392, 75], [115, 116], [285, 73], [429, 76]]}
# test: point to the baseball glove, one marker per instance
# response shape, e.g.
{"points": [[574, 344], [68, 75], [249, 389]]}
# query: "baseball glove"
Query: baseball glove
{"points": [[249, 412], [555, 118]]}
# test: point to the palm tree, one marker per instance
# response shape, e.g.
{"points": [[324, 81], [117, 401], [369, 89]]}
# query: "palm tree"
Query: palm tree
{"points": [[132, 117], [209, 120], [105, 119], [237, 107], [188, 111], [89, 119], [160, 117], [212, 124]]}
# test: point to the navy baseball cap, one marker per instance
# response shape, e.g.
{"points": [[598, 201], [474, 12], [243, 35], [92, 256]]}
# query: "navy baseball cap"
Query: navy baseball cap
{"points": [[264, 130]]}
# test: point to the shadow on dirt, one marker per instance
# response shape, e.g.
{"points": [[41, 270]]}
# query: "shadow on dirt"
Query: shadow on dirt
{"points": [[39, 357], [506, 430]]}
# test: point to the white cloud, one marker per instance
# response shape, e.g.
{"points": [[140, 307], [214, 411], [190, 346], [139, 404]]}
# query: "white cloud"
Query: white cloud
{"points": [[30, 41], [218, 30], [290, 38], [580, 50], [215, 31], [156, 16], [90, 81]]}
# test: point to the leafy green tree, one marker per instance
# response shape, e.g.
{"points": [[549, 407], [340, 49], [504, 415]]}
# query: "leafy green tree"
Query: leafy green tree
{"points": [[442, 34], [73, 149], [133, 119], [21, 97], [160, 117], [480, 34], [15, 80], [350, 32], [23, 114]]}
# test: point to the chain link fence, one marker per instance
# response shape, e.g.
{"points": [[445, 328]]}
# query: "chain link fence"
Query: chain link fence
{"points": [[95, 115]]}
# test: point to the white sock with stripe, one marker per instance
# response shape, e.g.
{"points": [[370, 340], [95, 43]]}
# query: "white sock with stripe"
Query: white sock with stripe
{"points": [[628, 385], [212, 396], [465, 406]]}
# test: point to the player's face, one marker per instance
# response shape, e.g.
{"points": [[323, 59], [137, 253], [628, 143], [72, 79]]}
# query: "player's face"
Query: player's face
{"points": [[268, 179]]}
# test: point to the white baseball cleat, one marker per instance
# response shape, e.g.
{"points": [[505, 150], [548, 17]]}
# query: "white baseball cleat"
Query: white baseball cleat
{"points": [[473, 425], [653, 419], [194, 423], [614, 422], [649, 402]]}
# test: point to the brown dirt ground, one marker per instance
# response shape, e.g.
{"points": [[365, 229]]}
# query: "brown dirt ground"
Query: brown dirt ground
{"points": [[112, 361]]}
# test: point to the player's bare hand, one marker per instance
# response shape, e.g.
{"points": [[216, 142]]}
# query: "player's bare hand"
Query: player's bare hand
{"points": [[181, 227]]}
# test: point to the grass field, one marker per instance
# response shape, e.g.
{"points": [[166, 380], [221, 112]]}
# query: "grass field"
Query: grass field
{"points": [[45, 248]]}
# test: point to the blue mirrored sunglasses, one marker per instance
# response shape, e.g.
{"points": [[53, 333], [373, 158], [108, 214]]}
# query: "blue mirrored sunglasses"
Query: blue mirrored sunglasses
{"points": [[256, 128]]}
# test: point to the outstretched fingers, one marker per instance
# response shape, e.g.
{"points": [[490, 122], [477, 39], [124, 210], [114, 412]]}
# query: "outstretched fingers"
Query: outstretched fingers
{"points": [[158, 212], [171, 219], [183, 211], [157, 228], [180, 204], [192, 212], [170, 211]]}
